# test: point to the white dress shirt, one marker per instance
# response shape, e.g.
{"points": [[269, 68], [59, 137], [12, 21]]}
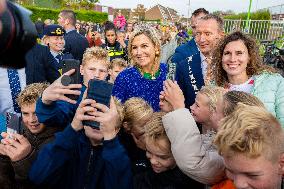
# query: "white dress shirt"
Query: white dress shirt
{"points": [[203, 65], [6, 102]]}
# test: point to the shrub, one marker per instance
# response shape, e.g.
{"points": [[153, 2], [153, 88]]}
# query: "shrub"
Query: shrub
{"points": [[46, 13], [258, 15]]}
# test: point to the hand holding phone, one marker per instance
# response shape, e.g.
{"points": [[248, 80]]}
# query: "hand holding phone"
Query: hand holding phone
{"points": [[100, 91], [12, 124], [75, 78], [171, 71], [109, 119], [56, 91]]}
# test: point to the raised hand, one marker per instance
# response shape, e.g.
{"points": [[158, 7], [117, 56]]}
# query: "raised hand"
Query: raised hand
{"points": [[173, 94], [108, 118], [16, 147], [57, 91], [84, 112], [164, 105]]}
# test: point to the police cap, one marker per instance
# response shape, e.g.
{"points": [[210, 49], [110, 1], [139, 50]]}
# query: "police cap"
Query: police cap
{"points": [[53, 30]]}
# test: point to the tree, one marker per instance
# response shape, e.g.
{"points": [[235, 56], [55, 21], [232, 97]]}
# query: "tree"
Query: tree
{"points": [[139, 12]]}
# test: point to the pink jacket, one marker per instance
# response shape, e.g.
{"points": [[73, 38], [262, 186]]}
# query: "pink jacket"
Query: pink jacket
{"points": [[121, 19]]}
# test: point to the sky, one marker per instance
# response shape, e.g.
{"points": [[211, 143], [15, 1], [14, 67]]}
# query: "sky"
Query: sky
{"points": [[182, 5]]}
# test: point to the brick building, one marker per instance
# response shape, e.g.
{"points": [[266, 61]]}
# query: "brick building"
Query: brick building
{"points": [[277, 12], [164, 14]]}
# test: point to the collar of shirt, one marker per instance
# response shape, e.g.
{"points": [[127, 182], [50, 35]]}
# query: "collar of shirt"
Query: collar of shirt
{"points": [[67, 31], [54, 54]]}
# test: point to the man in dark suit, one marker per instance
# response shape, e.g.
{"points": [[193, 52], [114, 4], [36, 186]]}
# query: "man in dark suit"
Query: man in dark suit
{"points": [[191, 73], [76, 44], [189, 48]]}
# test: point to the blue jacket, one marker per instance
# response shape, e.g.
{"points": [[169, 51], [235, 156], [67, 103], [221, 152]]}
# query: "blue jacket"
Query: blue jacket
{"points": [[183, 51], [76, 44], [41, 66], [59, 113], [71, 162], [190, 78]]}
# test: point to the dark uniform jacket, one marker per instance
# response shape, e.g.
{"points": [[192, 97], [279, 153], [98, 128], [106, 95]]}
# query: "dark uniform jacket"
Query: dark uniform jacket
{"points": [[184, 51], [59, 61], [189, 77], [41, 66], [75, 44], [14, 175]]}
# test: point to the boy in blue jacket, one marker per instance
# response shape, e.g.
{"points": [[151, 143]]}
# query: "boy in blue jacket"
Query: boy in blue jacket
{"points": [[54, 108], [84, 157]]}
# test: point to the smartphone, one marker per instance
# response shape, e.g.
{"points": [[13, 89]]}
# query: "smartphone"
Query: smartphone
{"points": [[171, 71], [100, 91], [13, 124], [75, 78]]}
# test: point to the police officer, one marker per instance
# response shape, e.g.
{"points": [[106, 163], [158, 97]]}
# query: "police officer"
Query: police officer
{"points": [[41, 65], [53, 37], [117, 48]]}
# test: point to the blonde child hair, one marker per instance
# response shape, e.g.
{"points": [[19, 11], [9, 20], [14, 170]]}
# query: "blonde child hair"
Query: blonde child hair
{"points": [[251, 131], [154, 131], [31, 94], [118, 62], [214, 94], [96, 53], [136, 109]]}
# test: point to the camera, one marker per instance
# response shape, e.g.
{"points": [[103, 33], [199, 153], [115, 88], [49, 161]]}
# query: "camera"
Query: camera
{"points": [[17, 37]]}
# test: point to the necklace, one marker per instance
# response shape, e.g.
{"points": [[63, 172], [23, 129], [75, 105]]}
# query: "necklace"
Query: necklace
{"points": [[147, 75]]}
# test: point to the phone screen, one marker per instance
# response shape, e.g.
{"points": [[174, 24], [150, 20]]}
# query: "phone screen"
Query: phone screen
{"points": [[12, 123], [75, 78], [171, 71], [100, 91]]}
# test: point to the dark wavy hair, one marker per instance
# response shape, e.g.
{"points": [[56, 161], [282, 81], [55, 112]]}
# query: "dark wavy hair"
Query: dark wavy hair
{"points": [[255, 65]]}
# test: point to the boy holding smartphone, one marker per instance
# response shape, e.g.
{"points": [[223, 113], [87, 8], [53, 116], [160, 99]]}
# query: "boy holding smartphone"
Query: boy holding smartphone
{"points": [[56, 109], [91, 159], [19, 151]]}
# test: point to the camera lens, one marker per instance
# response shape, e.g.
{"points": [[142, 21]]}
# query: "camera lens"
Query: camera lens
{"points": [[17, 37]]}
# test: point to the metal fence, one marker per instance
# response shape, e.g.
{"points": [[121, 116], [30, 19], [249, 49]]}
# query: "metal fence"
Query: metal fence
{"points": [[260, 29]]}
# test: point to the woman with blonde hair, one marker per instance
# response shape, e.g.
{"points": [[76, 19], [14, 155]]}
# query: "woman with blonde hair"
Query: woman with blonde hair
{"points": [[145, 78], [238, 66]]}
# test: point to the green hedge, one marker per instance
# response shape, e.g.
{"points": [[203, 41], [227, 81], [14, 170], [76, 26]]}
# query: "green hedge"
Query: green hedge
{"points": [[258, 15], [46, 13]]}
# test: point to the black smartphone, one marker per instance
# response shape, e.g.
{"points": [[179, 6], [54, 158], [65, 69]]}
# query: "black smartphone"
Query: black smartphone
{"points": [[75, 78], [171, 71], [13, 124], [100, 91]]}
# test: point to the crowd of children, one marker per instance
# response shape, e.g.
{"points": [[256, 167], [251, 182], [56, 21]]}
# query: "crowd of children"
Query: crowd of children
{"points": [[147, 136]]}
